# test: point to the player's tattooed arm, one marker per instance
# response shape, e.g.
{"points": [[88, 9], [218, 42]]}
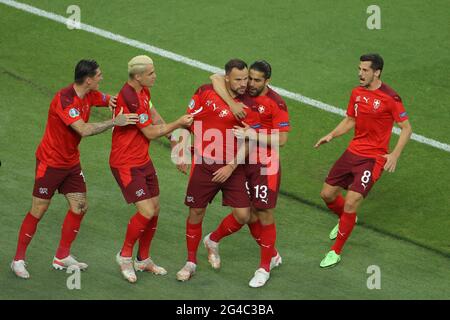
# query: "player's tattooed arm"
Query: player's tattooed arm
{"points": [[158, 120], [85, 129], [155, 131]]}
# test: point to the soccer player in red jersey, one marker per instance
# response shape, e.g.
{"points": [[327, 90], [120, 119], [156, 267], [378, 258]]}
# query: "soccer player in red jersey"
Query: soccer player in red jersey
{"points": [[133, 169], [372, 110], [215, 156], [58, 161], [263, 187]]}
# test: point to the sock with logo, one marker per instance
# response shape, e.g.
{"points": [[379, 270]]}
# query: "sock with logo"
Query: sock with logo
{"points": [[229, 225], [146, 239], [337, 206], [193, 237], [69, 231], [26, 233], [267, 246], [255, 230], [346, 224], [136, 227]]}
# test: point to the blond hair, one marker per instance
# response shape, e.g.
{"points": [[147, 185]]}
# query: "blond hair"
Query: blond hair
{"points": [[138, 64]]}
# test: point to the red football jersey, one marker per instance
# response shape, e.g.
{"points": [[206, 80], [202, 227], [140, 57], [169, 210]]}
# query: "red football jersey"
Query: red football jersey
{"points": [[59, 146], [213, 121], [129, 146], [272, 111], [375, 112], [273, 114]]}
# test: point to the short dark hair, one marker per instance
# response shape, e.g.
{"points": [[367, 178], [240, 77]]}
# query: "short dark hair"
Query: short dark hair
{"points": [[375, 58], [262, 66], [85, 68], [235, 63]]}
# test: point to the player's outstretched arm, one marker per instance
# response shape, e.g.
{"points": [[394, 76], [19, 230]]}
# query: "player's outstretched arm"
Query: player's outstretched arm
{"points": [[237, 108], [342, 128], [391, 158], [85, 129], [155, 131]]}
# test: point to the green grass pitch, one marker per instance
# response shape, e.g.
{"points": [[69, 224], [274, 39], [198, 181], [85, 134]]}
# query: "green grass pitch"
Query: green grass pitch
{"points": [[314, 48]]}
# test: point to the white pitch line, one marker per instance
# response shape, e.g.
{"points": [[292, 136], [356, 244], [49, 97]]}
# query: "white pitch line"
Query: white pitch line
{"points": [[200, 65]]}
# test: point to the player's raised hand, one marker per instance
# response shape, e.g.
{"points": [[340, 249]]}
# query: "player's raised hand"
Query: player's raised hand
{"points": [[186, 120], [125, 119], [112, 103], [238, 110], [221, 175], [323, 140], [391, 162]]}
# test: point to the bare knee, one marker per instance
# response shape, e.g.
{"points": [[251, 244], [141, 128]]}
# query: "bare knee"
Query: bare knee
{"points": [[80, 207], [242, 215], [352, 202], [39, 207], [266, 216], [253, 216], [196, 215], [328, 195]]}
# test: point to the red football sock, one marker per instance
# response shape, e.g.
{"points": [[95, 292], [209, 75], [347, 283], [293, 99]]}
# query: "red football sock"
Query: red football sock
{"points": [[346, 224], [255, 230], [146, 240], [26, 233], [337, 206], [229, 225], [193, 237], [268, 238], [135, 229], [69, 232]]}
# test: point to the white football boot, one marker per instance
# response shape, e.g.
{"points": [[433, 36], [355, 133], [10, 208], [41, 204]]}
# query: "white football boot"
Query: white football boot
{"points": [[275, 261], [149, 266], [126, 267], [187, 271], [19, 269], [213, 251], [260, 278], [67, 262]]}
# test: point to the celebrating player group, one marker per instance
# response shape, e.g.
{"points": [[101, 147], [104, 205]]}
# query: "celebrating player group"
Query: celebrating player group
{"points": [[230, 136]]}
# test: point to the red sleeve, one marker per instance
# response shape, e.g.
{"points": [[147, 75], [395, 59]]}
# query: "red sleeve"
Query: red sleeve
{"points": [[196, 107], [280, 117], [252, 119], [351, 106], [398, 110], [67, 110], [100, 99]]}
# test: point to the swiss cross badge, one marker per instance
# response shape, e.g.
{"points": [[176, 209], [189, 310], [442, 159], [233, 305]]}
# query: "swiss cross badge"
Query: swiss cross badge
{"points": [[376, 104]]}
